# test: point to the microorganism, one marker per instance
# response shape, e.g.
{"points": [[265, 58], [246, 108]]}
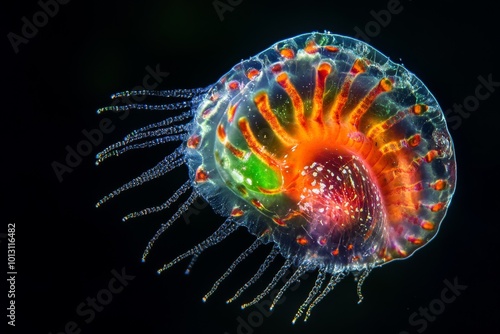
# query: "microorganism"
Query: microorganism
{"points": [[319, 145]]}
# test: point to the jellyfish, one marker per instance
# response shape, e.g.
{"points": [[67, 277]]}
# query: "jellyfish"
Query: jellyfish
{"points": [[319, 145]]}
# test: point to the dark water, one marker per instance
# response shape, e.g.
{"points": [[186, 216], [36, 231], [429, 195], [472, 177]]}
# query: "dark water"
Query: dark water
{"points": [[69, 254]]}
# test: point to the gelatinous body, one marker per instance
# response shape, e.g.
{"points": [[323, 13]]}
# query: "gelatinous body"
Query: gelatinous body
{"points": [[320, 145]]}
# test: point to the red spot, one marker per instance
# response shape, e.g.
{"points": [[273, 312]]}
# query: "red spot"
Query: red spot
{"points": [[252, 73], [221, 133], [276, 68], [201, 175], [279, 221], [237, 212], [414, 240], [331, 48], [414, 140], [431, 155], [194, 141], [231, 112], [335, 252], [322, 241], [233, 85], [257, 204], [350, 247], [302, 240]]}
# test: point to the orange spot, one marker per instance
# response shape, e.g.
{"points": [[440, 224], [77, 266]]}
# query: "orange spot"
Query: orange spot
{"points": [[350, 247], [419, 109], [279, 221], [427, 225], [194, 141], [335, 252], [311, 47], [233, 85], [201, 175], [431, 155], [414, 240], [287, 53], [414, 140], [302, 240], [221, 133], [252, 73], [437, 207], [402, 252], [231, 111], [439, 185], [355, 257], [257, 204], [237, 212], [331, 48]]}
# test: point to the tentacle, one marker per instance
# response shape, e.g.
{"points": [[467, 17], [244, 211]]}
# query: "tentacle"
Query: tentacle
{"points": [[329, 287], [317, 285], [269, 259], [276, 278], [183, 208], [295, 277], [240, 258], [228, 227], [170, 162]]}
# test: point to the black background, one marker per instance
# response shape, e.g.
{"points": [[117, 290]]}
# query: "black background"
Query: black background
{"points": [[66, 248]]}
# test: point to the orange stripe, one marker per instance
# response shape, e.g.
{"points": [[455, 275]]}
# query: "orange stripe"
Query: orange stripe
{"points": [[384, 85], [261, 100], [254, 145], [298, 105], [221, 135], [324, 70], [359, 66]]}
